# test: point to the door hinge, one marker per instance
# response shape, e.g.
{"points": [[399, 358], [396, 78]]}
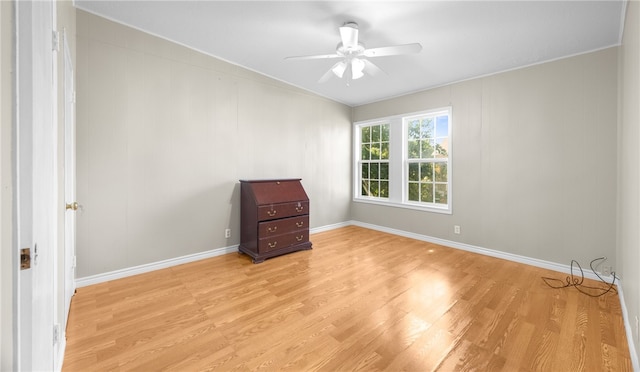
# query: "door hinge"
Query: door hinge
{"points": [[55, 40], [34, 259], [56, 334]]}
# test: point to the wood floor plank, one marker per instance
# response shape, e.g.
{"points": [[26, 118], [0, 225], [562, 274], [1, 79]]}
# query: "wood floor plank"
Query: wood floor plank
{"points": [[359, 300]]}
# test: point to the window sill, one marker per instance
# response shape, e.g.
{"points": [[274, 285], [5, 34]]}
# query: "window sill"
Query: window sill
{"points": [[441, 210]]}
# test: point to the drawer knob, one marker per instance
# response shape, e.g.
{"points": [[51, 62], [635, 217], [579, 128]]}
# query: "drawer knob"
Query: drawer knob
{"points": [[299, 238], [272, 213], [273, 245], [299, 224], [299, 209], [272, 229]]}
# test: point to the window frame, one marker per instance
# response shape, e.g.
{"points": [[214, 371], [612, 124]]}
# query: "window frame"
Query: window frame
{"points": [[359, 161], [398, 162]]}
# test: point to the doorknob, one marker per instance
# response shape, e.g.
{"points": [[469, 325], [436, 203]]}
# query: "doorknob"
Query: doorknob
{"points": [[73, 206]]}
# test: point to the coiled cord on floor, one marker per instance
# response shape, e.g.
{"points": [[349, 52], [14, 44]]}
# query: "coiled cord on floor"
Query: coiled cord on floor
{"points": [[578, 283]]}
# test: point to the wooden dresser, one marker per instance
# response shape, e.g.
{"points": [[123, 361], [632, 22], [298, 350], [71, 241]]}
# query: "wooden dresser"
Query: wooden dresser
{"points": [[274, 218]]}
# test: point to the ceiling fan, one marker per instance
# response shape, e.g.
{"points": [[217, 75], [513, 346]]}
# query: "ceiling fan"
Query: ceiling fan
{"points": [[353, 55]]}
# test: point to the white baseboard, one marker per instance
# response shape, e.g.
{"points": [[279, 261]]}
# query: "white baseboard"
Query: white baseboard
{"points": [[330, 227], [627, 326], [480, 250], [123, 273]]}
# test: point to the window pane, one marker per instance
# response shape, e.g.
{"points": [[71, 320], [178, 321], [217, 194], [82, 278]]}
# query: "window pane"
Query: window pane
{"points": [[365, 170], [384, 171], [366, 134], [414, 149], [414, 193], [427, 149], [385, 133], [384, 151], [426, 192], [414, 129], [427, 128], [375, 133], [366, 152], [440, 170], [426, 172], [365, 188], [384, 189], [442, 148], [375, 151], [374, 189], [374, 171], [442, 126], [441, 193], [413, 172]]}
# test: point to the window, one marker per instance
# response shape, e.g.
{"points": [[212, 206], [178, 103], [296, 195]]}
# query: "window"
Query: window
{"points": [[374, 160], [405, 161], [427, 158]]}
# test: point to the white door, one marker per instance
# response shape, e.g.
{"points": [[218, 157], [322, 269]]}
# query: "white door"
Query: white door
{"points": [[69, 180], [36, 177]]}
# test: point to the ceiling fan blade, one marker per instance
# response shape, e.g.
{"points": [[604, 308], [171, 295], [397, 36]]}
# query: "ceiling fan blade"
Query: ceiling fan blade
{"points": [[349, 35], [317, 56], [393, 50], [371, 69], [325, 77]]}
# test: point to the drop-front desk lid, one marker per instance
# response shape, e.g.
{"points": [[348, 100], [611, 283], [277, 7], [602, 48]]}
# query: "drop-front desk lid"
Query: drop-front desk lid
{"points": [[275, 191]]}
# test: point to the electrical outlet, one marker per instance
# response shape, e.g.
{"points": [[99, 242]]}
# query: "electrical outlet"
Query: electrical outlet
{"points": [[227, 233], [456, 229], [606, 271]]}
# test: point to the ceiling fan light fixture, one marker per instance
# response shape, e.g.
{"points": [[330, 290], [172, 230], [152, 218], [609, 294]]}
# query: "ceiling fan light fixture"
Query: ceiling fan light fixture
{"points": [[339, 69], [357, 68]]}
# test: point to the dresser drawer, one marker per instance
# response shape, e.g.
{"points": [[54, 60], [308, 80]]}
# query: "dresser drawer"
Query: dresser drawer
{"points": [[282, 226], [282, 241], [275, 211]]}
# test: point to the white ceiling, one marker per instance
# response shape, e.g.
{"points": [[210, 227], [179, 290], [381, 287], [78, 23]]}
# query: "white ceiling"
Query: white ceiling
{"points": [[460, 39]]}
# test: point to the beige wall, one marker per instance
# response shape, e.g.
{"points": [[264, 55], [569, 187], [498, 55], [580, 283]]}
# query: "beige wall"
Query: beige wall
{"points": [[6, 186], [164, 134], [629, 165], [534, 161]]}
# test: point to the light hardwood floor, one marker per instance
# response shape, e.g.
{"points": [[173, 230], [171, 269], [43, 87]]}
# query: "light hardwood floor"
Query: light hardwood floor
{"points": [[360, 300]]}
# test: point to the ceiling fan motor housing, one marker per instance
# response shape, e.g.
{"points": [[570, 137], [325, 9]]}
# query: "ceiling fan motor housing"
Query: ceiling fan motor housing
{"points": [[350, 51]]}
